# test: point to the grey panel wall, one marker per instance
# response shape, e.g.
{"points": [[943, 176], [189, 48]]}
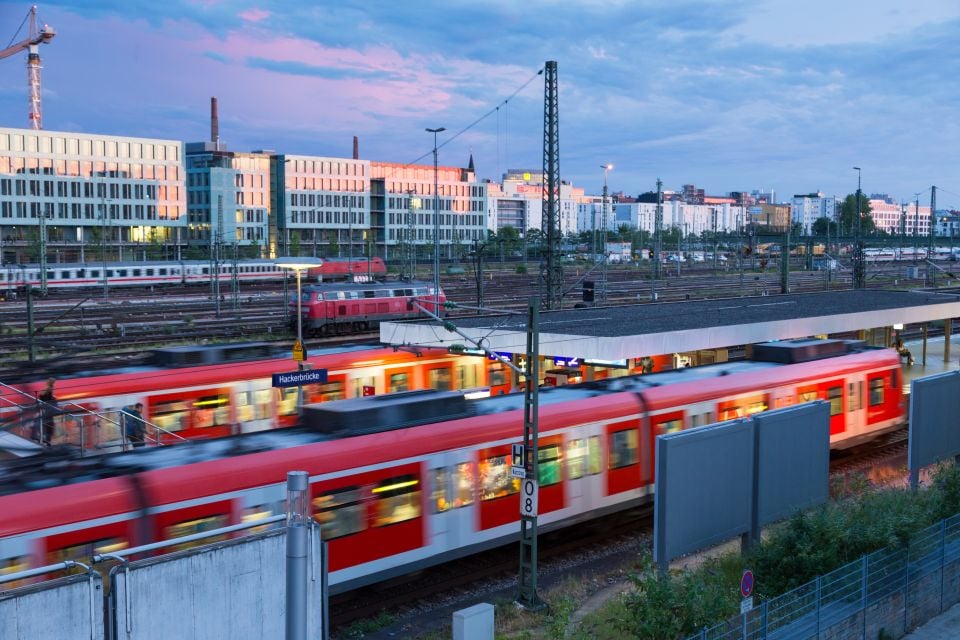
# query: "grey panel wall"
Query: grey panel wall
{"points": [[793, 460], [934, 419], [228, 591], [69, 608], [704, 487]]}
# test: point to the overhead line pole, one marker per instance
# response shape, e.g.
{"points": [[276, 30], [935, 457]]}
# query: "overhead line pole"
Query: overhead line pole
{"points": [[551, 271]]}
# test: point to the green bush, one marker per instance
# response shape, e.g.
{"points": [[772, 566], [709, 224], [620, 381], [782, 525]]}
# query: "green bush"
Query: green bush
{"points": [[521, 268]]}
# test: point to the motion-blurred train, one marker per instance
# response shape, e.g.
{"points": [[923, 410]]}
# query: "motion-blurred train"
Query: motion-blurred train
{"points": [[15, 277], [403, 481], [219, 390]]}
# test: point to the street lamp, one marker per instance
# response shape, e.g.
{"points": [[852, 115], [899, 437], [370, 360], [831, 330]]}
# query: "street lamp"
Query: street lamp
{"points": [[436, 224], [299, 265], [603, 231], [858, 267]]}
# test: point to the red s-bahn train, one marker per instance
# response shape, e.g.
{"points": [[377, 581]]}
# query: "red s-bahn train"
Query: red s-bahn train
{"points": [[391, 497], [218, 390]]}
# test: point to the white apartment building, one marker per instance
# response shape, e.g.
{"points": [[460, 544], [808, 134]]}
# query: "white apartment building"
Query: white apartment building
{"points": [[805, 209], [692, 219], [900, 218], [96, 193], [518, 203]]}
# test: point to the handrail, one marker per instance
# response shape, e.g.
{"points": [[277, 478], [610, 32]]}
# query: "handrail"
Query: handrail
{"points": [[39, 571], [123, 553]]}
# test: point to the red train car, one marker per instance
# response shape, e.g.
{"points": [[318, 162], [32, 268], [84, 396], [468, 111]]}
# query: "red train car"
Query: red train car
{"points": [[366, 269], [338, 308], [391, 498]]}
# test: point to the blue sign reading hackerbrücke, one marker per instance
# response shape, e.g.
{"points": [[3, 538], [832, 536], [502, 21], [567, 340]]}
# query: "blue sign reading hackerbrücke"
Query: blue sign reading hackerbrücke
{"points": [[300, 378]]}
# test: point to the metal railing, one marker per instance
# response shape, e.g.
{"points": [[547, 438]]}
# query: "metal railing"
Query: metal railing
{"points": [[76, 424], [896, 589]]}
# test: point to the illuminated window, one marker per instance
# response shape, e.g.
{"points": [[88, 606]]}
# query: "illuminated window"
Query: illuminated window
{"points": [[397, 500], [211, 411], [84, 551], [835, 398], [287, 405], [463, 485], [325, 392], [495, 478], [255, 514], [671, 426], [190, 527], [551, 469], [807, 396], [596, 456], [623, 448], [439, 379], [398, 382], [340, 513], [171, 416], [577, 458], [876, 392], [467, 376], [440, 496]]}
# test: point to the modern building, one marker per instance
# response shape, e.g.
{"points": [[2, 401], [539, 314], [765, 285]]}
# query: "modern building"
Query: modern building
{"points": [[690, 219], [82, 196], [807, 208], [769, 218], [519, 200], [904, 218]]}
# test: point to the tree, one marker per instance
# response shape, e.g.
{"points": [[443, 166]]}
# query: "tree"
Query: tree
{"points": [[848, 217], [822, 225]]}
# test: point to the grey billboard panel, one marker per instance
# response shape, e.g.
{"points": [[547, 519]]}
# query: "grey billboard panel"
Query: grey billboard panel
{"points": [[934, 414], [704, 486], [793, 460]]}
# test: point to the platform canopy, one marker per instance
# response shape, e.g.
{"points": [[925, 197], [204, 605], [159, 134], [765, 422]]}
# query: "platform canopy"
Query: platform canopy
{"points": [[615, 333]]}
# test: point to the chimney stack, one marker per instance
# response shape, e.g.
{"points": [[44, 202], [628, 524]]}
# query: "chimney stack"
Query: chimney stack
{"points": [[214, 123], [356, 148]]}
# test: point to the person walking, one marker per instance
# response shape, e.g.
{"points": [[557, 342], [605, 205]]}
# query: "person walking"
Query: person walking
{"points": [[47, 409], [133, 425]]}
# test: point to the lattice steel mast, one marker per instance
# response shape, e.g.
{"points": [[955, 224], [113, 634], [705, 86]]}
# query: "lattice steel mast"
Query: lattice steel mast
{"points": [[551, 271]]}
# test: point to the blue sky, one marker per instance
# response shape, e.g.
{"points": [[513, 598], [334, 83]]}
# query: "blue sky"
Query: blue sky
{"points": [[743, 94]]}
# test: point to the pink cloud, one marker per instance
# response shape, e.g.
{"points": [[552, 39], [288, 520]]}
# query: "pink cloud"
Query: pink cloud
{"points": [[255, 15]]}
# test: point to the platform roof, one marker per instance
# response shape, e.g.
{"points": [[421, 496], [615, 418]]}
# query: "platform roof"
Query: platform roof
{"points": [[615, 333]]}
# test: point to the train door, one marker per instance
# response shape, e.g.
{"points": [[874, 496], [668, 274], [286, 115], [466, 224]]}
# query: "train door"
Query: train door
{"points": [[856, 414], [452, 499], [584, 452], [198, 413], [832, 392], [254, 400], [498, 378]]}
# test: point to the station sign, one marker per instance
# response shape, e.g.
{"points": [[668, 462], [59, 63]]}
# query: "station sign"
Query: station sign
{"points": [[300, 378], [500, 355], [566, 363], [620, 364], [518, 461]]}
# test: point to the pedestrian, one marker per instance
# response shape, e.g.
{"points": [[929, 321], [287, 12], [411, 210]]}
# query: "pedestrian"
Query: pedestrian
{"points": [[133, 425], [47, 409]]}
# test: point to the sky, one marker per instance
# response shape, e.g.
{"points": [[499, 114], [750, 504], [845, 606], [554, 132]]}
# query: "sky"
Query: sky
{"points": [[730, 96]]}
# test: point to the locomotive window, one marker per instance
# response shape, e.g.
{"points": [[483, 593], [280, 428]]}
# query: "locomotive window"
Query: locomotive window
{"points": [[397, 293], [440, 496], [623, 448], [340, 513], [495, 478], [369, 294], [190, 527], [244, 407], [876, 392], [408, 292], [212, 411], [439, 379], [398, 382], [255, 514], [835, 398], [854, 393], [398, 500], [551, 469]]}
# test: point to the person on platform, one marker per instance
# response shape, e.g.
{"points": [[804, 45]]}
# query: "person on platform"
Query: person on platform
{"points": [[902, 350], [46, 410], [133, 425]]}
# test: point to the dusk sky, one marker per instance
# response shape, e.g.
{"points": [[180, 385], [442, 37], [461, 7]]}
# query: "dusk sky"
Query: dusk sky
{"points": [[737, 95]]}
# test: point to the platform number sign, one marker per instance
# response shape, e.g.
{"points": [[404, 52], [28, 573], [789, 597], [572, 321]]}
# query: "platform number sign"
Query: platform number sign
{"points": [[528, 497]]}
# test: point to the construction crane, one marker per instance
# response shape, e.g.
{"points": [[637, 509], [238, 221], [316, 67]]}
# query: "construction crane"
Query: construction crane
{"points": [[32, 43]]}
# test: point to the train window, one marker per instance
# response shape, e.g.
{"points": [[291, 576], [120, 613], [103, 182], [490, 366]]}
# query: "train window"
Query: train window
{"points": [[496, 374], [397, 293], [398, 500], [212, 411], [86, 550], [398, 382], [577, 458], [893, 379], [807, 396], [163, 271], [440, 496], [671, 426], [325, 392], [596, 456], [171, 416], [150, 272], [122, 273], [854, 394], [467, 376], [287, 405], [623, 448], [701, 419], [551, 469], [190, 527], [358, 385], [369, 294], [876, 392], [14, 565], [495, 478], [835, 398], [255, 514], [340, 513], [463, 485], [439, 379], [136, 272], [408, 293]]}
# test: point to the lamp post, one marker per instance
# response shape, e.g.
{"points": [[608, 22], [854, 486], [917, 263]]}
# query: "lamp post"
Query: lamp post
{"points": [[603, 232], [298, 265], [858, 264], [436, 224]]}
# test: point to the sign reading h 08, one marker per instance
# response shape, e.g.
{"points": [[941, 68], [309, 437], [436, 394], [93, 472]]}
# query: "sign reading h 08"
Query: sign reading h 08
{"points": [[529, 495]]}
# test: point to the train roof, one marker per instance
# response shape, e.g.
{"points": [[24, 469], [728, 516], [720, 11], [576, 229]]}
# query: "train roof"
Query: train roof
{"points": [[365, 286], [132, 264], [441, 413]]}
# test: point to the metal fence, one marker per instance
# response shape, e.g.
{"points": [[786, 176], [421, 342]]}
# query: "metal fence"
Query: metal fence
{"points": [[893, 590]]}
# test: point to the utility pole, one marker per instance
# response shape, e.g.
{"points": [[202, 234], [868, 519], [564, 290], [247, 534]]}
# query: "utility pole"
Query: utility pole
{"points": [[43, 248], [530, 489], [859, 270], [933, 219], [658, 231], [478, 250], [603, 236], [551, 271], [785, 263], [916, 227], [436, 223], [103, 238]]}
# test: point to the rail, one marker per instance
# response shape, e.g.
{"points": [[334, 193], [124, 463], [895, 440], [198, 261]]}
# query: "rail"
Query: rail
{"points": [[37, 406]]}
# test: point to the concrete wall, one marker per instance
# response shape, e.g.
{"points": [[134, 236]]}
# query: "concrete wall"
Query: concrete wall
{"points": [[56, 610], [232, 590]]}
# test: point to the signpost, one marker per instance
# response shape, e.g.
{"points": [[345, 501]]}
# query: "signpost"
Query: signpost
{"points": [[300, 378], [746, 590], [518, 461], [529, 497]]}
